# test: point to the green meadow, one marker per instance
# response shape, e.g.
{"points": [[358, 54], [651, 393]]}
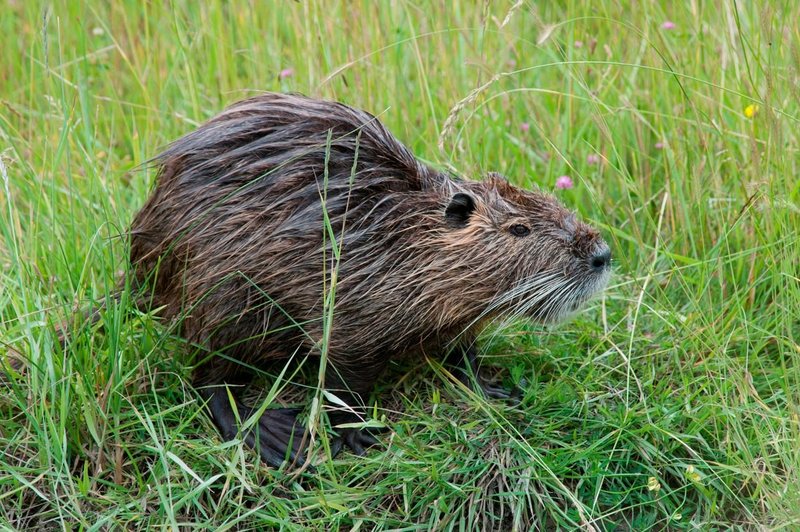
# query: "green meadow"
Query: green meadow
{"points": [[671, 402]]}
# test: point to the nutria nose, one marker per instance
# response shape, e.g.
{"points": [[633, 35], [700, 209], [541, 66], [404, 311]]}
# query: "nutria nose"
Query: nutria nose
{"points": [[601, 258]]}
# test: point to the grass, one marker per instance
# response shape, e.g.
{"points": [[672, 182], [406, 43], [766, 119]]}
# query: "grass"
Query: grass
{"points": [[671, 403]]}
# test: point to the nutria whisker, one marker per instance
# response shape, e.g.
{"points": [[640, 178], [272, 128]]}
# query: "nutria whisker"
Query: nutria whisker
{"points": [[545, 284]]}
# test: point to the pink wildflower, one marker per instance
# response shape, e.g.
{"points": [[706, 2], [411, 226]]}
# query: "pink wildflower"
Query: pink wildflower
{"points": [[659, 145], [286, 73], [524, 127], [668, 25], [592, 158], [578, 44], [564, 182]]}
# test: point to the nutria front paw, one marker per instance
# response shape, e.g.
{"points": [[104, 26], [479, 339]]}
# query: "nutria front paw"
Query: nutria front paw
{"points": [[357, 440], [492, 390], [496, 391], [467, 370]]}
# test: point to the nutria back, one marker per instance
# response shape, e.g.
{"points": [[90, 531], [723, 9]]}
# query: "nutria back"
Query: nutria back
{"points": [[282, 204]]}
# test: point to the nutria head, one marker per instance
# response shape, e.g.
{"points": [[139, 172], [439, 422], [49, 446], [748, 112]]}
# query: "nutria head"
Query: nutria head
{"points": [[544, 263]]}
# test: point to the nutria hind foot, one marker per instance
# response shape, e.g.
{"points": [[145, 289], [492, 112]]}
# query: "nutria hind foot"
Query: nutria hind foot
{"points": [[467, 370], [278, 436]]}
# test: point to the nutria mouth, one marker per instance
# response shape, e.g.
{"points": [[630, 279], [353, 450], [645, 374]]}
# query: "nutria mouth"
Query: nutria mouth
{"points": [[265, 207]]}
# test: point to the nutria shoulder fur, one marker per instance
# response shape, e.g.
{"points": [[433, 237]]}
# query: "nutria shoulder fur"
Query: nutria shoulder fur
{"points": [[283, 204]]}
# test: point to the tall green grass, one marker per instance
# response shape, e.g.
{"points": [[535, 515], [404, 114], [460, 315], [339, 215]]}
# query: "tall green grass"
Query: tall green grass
{"points": [[672, 402]]}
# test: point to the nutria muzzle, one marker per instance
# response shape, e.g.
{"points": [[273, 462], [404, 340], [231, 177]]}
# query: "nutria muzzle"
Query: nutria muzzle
{"points": [[600, 260]]}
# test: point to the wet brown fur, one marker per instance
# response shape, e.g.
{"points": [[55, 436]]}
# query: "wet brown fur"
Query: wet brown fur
{"points": [[233, 242]]}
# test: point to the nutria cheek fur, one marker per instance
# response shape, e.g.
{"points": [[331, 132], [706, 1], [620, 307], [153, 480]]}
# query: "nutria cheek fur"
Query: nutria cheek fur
{"points": [[235, 241]]}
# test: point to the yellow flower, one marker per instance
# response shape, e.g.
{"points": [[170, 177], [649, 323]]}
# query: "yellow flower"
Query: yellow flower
{"points": [[751, 110], [692, 474]]}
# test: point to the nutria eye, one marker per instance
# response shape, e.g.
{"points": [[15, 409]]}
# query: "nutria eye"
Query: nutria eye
{"points": [[519, 230]]}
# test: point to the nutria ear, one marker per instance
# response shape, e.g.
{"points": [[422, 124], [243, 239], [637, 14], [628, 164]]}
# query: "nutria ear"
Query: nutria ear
{"points": [[458, 211]]}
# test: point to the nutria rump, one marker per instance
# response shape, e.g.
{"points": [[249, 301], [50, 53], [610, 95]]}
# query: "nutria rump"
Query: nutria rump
{"points": [[283, 204]]}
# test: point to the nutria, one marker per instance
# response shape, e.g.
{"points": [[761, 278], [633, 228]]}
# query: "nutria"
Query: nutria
{"points": [[257, 214]]}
